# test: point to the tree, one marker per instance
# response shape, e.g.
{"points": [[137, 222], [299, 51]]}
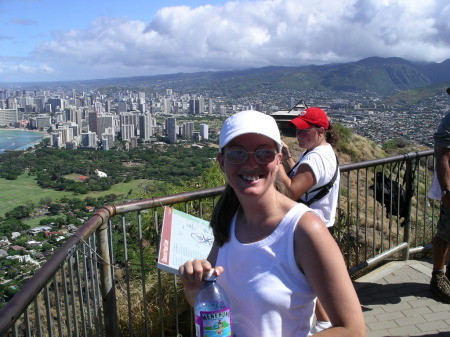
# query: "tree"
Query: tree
{"points": [[54, 208], [19, 212]]}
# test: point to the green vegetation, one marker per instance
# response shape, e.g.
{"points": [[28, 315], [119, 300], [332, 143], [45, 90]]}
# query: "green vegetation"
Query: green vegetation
{"points": [[25, 190], [52, 166]]}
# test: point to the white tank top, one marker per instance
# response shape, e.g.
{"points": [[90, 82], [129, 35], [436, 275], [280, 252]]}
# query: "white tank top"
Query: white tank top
{"points": [[269, 295]]}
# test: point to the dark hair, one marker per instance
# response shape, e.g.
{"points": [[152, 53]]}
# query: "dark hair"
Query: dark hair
{"points": [[331, 136], [223, 212], [227, 206]]}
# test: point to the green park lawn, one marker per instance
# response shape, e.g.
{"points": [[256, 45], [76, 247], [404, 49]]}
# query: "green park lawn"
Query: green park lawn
{"points": [[17, 192]]}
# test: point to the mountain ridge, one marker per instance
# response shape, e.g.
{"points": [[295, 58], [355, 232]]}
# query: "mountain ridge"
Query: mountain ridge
{"points": [[385, 76]]}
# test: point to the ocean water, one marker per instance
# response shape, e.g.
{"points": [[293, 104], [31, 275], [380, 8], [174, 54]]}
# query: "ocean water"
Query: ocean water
{"points": [[18, 139]]}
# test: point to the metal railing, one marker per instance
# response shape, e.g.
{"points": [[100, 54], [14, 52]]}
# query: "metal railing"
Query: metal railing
{"points": [[103, 281]]}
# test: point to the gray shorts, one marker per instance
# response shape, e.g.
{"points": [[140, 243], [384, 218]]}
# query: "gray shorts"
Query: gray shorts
{"points": [[443, 225]]}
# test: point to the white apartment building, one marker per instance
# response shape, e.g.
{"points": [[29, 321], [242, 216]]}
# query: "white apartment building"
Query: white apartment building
{"points": [[8, 117]]}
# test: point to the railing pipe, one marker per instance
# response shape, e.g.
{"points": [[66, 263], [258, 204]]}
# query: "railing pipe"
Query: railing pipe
{"points": [[167, 200], [379, 258], [107, 288], [387, 160]]}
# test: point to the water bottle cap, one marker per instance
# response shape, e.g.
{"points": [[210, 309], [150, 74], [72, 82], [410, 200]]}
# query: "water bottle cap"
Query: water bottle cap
{"points": [[210, 276]]}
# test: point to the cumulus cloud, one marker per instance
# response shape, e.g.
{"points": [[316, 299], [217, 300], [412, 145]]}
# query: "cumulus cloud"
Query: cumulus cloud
{"points": [[242, 34]]}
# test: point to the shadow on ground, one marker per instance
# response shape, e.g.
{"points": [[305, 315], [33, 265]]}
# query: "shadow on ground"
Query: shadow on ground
{"points": [[381, 294]]}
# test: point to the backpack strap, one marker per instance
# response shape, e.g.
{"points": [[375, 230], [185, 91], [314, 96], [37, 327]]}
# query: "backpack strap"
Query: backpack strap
{"points": [[323, 190], [296, 164]]}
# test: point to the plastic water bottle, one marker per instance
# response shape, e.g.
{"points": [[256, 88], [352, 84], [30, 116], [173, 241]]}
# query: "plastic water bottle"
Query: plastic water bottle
{"points": [[212, 309]]}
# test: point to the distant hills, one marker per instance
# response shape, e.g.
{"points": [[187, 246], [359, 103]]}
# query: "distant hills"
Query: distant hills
{"points": [[385, 76]]}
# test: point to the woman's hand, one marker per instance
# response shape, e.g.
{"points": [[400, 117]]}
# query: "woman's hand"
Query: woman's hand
{"points": [[285, 150], [192, 274]]}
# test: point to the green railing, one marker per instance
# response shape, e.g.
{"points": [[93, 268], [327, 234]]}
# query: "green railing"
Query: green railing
{"points": [[103, 280]]}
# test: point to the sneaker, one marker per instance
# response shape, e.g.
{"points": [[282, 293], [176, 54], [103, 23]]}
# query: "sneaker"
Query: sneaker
{"points": [[440, 286], [320, 326]]}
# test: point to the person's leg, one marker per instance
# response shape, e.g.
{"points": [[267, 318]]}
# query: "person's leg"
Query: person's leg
{"points": [[447, 273], [440, 250], [440, 284]]}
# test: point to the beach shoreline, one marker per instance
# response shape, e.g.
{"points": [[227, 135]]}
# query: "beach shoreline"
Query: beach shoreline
{"points": [[19, 139]]}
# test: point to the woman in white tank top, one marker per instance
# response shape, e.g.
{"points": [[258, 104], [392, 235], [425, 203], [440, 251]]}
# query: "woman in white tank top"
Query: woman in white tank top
{"points": [[274, 256]]}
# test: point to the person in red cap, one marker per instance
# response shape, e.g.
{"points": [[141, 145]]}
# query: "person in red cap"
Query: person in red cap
{"points": [[314, 178]]}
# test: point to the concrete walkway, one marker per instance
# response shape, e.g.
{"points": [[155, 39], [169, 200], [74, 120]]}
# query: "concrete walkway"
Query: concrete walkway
{"points": [[397, 301]]}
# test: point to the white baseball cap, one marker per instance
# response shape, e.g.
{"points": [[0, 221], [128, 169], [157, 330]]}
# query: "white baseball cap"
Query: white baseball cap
{"points": [[249, 121]]}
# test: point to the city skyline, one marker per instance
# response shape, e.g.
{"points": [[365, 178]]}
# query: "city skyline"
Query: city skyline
{"points": [[47, 40]]}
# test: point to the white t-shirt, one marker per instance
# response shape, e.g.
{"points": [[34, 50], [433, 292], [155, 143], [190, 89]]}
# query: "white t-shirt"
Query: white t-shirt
{"points": [[322, 161]]}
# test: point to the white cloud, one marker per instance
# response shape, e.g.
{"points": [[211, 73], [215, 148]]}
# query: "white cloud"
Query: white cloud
{"points": [[18, 69], [243, 34]]}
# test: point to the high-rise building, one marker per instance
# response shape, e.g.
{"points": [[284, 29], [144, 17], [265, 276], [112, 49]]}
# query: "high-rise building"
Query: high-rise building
{"points": [[129, 118], [55, 140], [110, 135], [145, 126], [89, 139], [188, 130], [204, 133], [92, 121], [105, 143], [127, 131], [210, 106], [11, 103], [103, 122], [196, 106], [8, 117], [57, 104], [171, 129], [42, 121], [65, 134], [121, 107], [107, 106]]}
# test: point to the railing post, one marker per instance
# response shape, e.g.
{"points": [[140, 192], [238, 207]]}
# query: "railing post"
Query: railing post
{"points": [[106, 282], [409, 192]]}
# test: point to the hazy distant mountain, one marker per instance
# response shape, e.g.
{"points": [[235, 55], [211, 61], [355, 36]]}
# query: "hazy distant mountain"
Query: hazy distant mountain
{"points": [[436, 72], [382, 75]]}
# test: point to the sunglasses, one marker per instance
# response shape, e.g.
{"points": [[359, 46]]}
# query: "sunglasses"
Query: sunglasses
{"points": [[239, 156]]}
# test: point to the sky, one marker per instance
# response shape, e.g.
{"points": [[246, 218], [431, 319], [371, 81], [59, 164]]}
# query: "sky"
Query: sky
{"points": [[64, 40]]}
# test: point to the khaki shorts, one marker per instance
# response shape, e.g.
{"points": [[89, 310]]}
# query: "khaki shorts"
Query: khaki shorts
{"points": [[443, 225]]}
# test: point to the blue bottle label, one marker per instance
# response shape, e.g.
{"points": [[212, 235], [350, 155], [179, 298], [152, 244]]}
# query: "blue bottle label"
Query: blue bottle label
{"points": [[213, 323]]}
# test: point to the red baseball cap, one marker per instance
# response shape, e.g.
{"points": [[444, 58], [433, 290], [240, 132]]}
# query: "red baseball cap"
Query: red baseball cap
{"points": [[310, 117]]}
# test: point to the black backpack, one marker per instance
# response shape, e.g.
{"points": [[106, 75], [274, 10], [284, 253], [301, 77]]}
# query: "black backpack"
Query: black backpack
{"points": [[389, 190]]}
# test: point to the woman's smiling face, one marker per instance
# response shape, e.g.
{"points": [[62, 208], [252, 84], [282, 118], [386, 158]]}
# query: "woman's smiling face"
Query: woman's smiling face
{"points": [[251, 176]]}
